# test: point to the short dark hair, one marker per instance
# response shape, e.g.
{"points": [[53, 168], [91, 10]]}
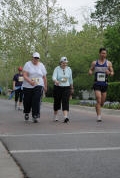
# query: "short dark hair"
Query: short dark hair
{"points": [[102, 49]]}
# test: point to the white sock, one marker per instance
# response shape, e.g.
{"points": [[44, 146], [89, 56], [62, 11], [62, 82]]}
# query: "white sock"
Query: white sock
{"points": [[99, 117], [65, 117]]}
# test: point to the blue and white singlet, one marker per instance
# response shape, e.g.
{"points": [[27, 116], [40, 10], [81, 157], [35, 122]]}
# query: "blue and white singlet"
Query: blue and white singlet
{"points": [[101, 78]]}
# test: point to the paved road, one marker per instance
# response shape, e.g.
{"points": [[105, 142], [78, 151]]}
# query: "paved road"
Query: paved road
{"points": [[81, 148]]}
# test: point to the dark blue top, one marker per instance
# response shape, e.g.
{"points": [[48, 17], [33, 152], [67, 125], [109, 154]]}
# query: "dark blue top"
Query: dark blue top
{"points": [[18, 78]]}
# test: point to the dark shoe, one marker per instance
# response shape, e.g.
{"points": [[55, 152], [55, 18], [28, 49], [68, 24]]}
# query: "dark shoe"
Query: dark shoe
{"points": [[26, 117], [66, 120], [35, 121], [99, 120], [34, 118]]}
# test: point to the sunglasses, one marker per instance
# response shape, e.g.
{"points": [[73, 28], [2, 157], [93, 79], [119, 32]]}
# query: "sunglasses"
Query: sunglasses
{"points": [[36, 57]]}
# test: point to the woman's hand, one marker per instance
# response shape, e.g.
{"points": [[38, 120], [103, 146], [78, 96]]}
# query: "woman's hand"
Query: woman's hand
{"points": [[57, 83], [71, 91], [33, 83], [45, 89]]}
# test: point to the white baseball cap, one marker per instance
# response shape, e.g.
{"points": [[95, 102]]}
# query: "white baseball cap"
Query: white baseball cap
{"points": [[36, 54], [63, 59]]}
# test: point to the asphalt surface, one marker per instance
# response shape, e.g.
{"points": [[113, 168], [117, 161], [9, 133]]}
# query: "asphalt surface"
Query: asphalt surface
{"points": [[82, 148]]}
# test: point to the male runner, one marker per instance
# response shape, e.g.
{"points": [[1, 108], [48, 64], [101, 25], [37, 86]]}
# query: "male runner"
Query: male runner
{"points": [[102, 68]]}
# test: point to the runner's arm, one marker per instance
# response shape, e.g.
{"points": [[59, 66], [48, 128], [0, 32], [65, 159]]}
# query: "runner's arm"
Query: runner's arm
{"points": [[92, 68], [110, 70], [45, 83], [13, 85]]}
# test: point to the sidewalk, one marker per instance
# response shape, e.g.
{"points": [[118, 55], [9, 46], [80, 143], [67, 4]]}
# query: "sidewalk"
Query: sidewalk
{"points": [[8, 167]]}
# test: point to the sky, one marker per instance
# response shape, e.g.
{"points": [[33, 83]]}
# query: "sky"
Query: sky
{"points": [[80, 9]]}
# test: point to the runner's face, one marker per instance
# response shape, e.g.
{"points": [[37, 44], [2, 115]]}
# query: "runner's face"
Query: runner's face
{"points": [[63, 64], [103, 54], [35, 61], [20, 71]]}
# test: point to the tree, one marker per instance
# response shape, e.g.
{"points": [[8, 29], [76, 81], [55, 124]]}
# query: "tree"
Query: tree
{"points": [[112, 43], [29, 25], [107, 12]]}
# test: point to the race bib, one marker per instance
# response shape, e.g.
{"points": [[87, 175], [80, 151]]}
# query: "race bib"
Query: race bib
{"points": [[36, 80], [20, 79], [101, 77], [63, 79]]}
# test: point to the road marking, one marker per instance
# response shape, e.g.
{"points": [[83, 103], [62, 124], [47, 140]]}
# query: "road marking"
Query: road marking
{"points": [[66, 150], [55, 134]]}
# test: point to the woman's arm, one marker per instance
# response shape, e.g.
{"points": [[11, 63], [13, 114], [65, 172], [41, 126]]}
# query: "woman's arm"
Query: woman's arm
{"points": [[45, 83], [26, 77]]}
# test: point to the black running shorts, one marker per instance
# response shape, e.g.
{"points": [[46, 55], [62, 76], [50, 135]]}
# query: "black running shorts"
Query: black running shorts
{"points": [[101, 88]]}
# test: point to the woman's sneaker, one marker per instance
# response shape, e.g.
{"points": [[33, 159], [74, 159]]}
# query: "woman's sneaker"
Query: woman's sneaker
{"points": [[34, 118], [26, 116], [20, 108], [66, 120], [55, 118]]}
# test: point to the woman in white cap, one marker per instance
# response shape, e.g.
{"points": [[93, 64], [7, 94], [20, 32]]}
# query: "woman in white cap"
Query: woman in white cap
{"points": [[63, 86], [34, 73]]}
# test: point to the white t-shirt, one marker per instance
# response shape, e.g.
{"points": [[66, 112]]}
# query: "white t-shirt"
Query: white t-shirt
{"points": [[35, 72]]}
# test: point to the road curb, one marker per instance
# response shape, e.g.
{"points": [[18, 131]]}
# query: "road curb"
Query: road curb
{"points": [[8, 167]]}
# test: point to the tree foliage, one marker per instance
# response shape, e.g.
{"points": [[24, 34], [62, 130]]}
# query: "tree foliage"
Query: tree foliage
{"points": [[42, 25], [106, 12], [112, 42], [27, 26]]}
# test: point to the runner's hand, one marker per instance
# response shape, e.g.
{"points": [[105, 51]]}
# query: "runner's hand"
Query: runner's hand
{"points": [[107, 72]]}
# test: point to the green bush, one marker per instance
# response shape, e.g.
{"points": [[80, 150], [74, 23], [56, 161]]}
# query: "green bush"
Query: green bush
{"points": [[113, 93]]}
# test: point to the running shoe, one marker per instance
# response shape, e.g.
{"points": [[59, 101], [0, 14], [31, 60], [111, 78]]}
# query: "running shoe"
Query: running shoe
{"points": [[55, 118], [26, 116], [66, 120], [20, 108], [99, 118], [34, 118]]}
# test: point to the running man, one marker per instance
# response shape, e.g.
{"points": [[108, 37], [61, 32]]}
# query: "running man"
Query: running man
{"points": [[102, 68]]}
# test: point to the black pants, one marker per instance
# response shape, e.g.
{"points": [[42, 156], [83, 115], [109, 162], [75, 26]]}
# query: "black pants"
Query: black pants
{"points": [[61, 96], [18, 95], [32, 100]]}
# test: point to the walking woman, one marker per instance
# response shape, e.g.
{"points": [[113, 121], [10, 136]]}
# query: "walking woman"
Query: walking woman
{"points": [[34, 73], [63, 87], [17, 87]]}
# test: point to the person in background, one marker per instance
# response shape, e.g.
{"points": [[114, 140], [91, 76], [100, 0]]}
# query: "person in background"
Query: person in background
{"points": [[63, 88], [0, 90], [17, 87], [35, 81], [102, 69]]}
